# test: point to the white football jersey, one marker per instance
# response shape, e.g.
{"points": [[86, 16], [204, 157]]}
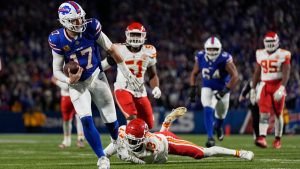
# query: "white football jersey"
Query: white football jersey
{"points": [[271, 63], [137, 64], [155, 147]]}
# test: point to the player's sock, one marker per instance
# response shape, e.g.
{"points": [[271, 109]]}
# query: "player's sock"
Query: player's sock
{"points": [[219, 123], [165, 126], [264, 124], [216, 150], [278, 126], [92, 135], [209, 119], [67, 129], [80, 135], [113, 129]]}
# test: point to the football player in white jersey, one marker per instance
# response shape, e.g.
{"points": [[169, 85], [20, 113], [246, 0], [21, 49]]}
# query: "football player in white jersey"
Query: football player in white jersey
{"points": [[140, 59], [273, 70], [138, 145], [68, 112]]}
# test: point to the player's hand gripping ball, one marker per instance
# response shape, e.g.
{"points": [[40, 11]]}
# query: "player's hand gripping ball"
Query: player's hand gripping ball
{"points": [[73, 66]]}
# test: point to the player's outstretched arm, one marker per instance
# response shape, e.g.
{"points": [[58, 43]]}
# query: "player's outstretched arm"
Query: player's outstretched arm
{"points": [[154, 81]]}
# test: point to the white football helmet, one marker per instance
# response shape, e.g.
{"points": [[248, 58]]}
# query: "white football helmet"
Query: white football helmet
{"points": [[135, 133], [70, 12], [135, 34], [271, 41], [212, 48]]}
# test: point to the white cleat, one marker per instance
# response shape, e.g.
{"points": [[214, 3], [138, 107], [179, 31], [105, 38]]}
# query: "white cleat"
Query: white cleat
{"points": [[179, 111], [103, 163], [247, 155]]}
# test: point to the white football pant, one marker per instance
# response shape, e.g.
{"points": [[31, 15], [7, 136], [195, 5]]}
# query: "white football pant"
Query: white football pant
{"points": [[94, 88], [208, 99]]}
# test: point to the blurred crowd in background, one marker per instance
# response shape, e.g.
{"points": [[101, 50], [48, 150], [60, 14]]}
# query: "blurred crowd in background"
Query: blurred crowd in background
{"points": [[177, 28]]}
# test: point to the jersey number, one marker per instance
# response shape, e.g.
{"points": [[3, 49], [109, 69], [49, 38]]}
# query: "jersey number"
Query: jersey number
{"points": [[139, 64], [85, 52], [205, 74], [269, 66]]}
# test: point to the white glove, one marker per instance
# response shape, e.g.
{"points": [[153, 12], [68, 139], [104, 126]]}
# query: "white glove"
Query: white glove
{"points": [[156, 92], [122, 154], [133, 82], [252, 96], [279, 93]]}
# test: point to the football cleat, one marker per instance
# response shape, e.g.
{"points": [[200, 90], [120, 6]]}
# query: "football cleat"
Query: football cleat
{"points": [[103, 163], [178, 112], [220, 133], [277, 144], [80, 143], [63, 146], [247, 155], [210, 142], [261, 142]]}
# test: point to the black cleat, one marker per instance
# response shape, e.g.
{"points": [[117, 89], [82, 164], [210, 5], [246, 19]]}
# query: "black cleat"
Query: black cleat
{"points": [[210, 142], [220, 133]]}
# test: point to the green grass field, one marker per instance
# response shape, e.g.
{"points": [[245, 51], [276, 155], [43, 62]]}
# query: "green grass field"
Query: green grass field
{"points": [[41, 152]]}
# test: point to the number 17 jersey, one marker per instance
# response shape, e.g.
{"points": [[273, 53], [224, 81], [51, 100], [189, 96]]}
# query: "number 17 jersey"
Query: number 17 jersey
{"points": [[214, 74]]}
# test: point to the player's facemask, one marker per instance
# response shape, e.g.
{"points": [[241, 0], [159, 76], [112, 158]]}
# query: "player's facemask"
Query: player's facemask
{"points": [[212, 48], [135, 34], [271, 41], [134, 143]]}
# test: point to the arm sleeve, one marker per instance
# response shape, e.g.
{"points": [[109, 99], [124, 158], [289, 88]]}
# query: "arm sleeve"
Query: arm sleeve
{"points": [[58, 61], [62, 85], [104, 41]]}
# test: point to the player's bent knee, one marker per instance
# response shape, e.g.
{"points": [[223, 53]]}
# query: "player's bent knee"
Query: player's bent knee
{"points": [[264, 118]]}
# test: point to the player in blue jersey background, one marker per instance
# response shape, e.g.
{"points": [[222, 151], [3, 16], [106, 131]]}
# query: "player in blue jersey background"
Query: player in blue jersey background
{"points": [[219, 76], [78, 40]]}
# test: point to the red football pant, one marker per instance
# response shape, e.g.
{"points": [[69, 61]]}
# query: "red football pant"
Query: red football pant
{"points": [[266, 103], [178, 146], [66, 108], [139, 106]]}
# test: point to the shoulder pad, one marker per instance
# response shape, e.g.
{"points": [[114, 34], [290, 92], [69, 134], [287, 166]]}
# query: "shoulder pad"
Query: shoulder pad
{"points": [[150, 50], [93, 26], [54, 41]]}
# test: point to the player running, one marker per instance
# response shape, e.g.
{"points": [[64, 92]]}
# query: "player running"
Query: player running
{"points": [[140, 59], [273, 70], [219, 76], [138, 145], [78, 40]]}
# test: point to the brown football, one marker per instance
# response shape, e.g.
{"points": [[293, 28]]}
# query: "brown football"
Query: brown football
{"points": [[73, 66]]}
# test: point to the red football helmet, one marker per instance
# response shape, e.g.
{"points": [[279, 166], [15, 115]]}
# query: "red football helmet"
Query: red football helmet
{"points": [[135, 133], [135, 34], [271, 41]]}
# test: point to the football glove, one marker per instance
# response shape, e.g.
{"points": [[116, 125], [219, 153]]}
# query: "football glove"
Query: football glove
{"points": [[156, 92], [192, 93], [219, 94], [132, 81], [279, 93]]}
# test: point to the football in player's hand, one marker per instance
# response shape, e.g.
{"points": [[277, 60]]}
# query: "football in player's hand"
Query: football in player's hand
{"points": [[73, 66]]}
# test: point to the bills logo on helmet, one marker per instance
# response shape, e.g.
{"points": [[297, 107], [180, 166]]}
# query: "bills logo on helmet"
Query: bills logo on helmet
{"points": [[64, 10]]}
